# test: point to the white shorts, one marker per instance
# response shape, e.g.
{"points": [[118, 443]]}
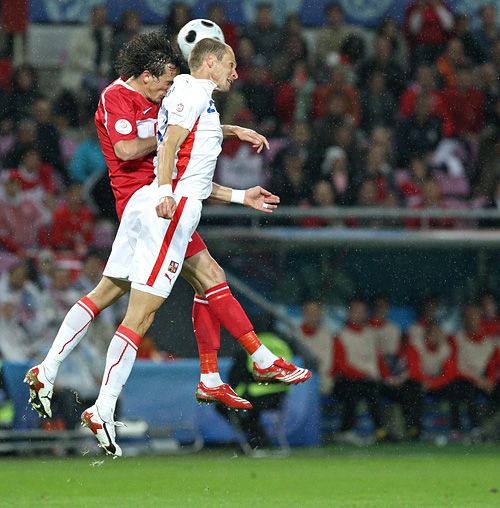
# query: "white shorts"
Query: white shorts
{"points": [[148, 250]]}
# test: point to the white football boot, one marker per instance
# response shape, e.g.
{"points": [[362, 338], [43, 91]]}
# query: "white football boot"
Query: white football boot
{"points": [[41, 390]]}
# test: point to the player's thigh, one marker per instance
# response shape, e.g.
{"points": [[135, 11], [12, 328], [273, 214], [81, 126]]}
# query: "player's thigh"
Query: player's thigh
{"points": [[202, 271], [161, 247], [125, 242]]}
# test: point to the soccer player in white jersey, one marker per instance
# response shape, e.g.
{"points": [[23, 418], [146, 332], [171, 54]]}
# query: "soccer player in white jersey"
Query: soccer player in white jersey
{"points": [[125, 121], [166, 213]]}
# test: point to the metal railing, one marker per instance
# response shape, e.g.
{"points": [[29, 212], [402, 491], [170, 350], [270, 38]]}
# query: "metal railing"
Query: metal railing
{"points": [[375, 227], [344, 212]]}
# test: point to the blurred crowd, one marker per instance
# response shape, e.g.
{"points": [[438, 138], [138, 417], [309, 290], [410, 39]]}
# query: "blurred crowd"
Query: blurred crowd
{"points": [[35, 296], [443, 359], [394, 116]]}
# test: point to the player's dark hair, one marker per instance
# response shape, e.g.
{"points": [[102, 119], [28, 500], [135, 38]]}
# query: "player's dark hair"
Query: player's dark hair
{"points": [[146, 52]]}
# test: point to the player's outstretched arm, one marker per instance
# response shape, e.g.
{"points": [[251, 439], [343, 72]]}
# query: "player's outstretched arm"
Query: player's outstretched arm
{"points": [[257, 140], [174, 138], [256, 197]]}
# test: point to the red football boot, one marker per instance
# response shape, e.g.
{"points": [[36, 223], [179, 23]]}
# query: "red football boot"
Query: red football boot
{"points": [[223, 394], [281, 371]]}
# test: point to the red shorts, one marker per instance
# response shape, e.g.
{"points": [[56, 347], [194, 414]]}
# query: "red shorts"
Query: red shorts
{"points": [[195, 245]]}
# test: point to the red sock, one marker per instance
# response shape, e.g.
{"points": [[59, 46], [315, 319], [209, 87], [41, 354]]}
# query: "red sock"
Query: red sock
{"points": [[206, 327], [250, 342], [208, 362], [232, 316]]}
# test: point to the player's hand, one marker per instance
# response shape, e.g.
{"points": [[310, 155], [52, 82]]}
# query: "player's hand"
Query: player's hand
{"points": [[261, 199], [257, 140], [166, 208]]}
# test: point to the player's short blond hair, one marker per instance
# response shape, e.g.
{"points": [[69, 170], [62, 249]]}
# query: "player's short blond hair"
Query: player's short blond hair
{"points": [[205, 47]]}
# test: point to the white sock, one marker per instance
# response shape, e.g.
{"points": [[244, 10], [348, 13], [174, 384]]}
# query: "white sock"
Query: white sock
{"points": [[263, 357], [120, 359], [211, 380], [71, 332]]}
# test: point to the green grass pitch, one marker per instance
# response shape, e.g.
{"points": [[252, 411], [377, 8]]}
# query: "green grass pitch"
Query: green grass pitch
{"points": [[383, 476]]}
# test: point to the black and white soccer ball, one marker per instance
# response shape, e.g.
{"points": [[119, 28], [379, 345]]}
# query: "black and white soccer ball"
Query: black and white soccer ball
{"points": [[195, 30]]}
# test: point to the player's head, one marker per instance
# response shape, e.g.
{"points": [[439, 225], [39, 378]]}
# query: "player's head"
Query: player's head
{"points": [[214, 60], [150, 59]]}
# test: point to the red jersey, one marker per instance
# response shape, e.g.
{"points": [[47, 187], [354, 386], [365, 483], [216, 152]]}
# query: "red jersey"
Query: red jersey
{"points": [[124, 114], [41, 180], [71, 228]]}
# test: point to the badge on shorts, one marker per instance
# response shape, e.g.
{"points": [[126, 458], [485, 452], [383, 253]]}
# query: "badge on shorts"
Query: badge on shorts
{"points": [[123, 126], [179, 107], [172, 267]]}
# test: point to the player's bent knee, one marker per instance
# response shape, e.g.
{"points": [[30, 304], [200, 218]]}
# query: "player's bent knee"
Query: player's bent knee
{"points": [[139, 323]]}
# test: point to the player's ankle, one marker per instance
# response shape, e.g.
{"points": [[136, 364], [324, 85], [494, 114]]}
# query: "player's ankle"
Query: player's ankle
{"points": [[211, 379], [263, 357]]}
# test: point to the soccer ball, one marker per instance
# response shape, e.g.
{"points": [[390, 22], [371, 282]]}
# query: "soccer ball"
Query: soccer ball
{"points": [[195, 30]]}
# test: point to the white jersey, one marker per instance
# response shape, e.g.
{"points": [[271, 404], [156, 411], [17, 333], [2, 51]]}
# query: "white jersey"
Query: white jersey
{"points": [[189, 104], [473, 356]]}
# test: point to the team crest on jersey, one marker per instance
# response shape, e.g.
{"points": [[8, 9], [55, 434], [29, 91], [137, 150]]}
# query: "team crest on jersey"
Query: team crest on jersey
{"points": [[179, 107], [173, 266], [123, 126]]}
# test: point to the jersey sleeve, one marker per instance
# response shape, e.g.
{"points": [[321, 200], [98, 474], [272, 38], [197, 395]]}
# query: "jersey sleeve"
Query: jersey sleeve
{"points": [[119, 116], [185, 107]]}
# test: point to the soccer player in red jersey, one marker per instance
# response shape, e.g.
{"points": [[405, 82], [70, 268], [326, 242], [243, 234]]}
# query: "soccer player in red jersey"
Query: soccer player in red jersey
{"points": [[126, 122]]}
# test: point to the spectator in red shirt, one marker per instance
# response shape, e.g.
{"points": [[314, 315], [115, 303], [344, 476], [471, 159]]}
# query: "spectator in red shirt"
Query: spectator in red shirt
{"points": [[217, 14], [21, 217], [358, 368], [431, 198], [73, 223], [246, 54], [336, 85], [36, 177], [465, 105], [450, 61], [410, 183], [432, 369], [425, 83], [292, 96], [427, 25]]}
